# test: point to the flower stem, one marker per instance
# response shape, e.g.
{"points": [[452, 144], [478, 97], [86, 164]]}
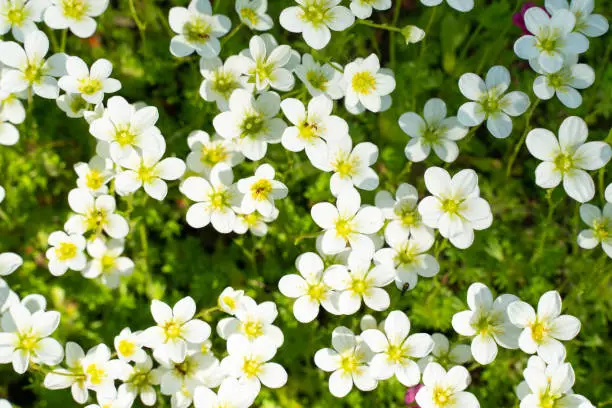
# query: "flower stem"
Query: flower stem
{"points": [[142, 26], [398, 6], [381, 26], [432, 17], [520, 143], [63, 40], [547, 222], [232, 33], [439, 247]]}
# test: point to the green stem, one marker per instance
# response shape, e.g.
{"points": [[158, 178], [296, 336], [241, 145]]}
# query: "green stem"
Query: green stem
{"points": [[470, 40], [63, 40], [547, 222], [520, 143], [439, 247], [206, 312], [432, 17], [305, 236], [381, 26], [231, 34], [142, 26], [51, 36], [396, 12]]}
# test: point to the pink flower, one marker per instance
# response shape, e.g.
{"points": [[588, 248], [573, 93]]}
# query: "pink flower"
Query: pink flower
{"points": [[411, 395], [518, 19]]}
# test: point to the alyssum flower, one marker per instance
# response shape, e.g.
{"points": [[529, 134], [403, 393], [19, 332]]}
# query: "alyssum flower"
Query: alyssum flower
{"points": [[261, 190], [366, 84], [92, 83]]}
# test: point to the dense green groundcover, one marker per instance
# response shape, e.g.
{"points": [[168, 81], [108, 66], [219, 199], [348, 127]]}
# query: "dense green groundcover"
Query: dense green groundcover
{"points": [[525, 252]]}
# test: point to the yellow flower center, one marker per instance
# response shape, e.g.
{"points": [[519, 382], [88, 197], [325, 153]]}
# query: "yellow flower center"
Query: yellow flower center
{"points": [[442, 397], [539, 331], [359, 285], [124, 136], [317, 291], [251, 367], [172, 330], [317, 80], [94, 179], [65, 251], [184, 369], [139, 378], [487, 323], [261, 189], [395, 353], [252, 329], [126, 347], [314, 12], [95, 219], [602, 228], [74, 9], [213, 154], [251, 219], [33, 72], [96, 374], [410, 218], [248, 14], [406, 255], [308, 130], [345, 165], [548, 400], [451, 206], [108, 262], [27, 341], [348, 362], [146, 174], [224, 84], [563, 162], [364, 83], [89, 86], [219, 198], [252, 124], [344, 227], [16, 15], [198, 30], [229, 301], [548, 42]]}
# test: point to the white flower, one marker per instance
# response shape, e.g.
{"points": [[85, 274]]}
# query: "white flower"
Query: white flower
{"points": [[180, 379], [351, 166], [75, 15], [487, 322], [231, 393], [489, 102], [150, 171], [175, 327], [347, 222], [564, 82], [73, 377], [552, 39], [216, 201], [249, 362], [260, 191], [140, 381], [446, 355], [230, 300], [314, 19], [9, 262], [460, 5], [550, 387], [118, 400], [11, 108], [407, 258], [395, 349], [312, 128], [127, 128], [206, 152], [251, 123], [27, 66], [567, 158], [347, 362], [5, 404], [94, 215], [309, 289], [542, 331], [252, 13], [128, 348], [252, 321], [90, 84], [455, 207], [72, 104], [359, 281], [363, 8], [442, 389], [591, 25], [9, 135], [221, 79], [21, 16], [107, 262], [253, 222], [197, 29], [267, 65], [320, 79], [96, 113], [608, 193], [366, 83], [94, 176], [436, 131], [25, 339], [66, 252], [600, 231]]}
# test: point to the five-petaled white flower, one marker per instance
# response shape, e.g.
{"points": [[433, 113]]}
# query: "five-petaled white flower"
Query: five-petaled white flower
{"points": [[20, 16], [223, 78], [442, 389], [107, 262], [197, 29], [314, 19], [363, 8], [320, 79], [94, 214], [231, 393], [489, 101], [434, 131], [128, 347], [140, 381], [395, 349], [267, 63], [568, 157], [455, 207], [92, 83], [347, 362], [252, 13], [347, 222], [487, 322], [350, 165], [552, 38], [206, 152], [76, 15], [252, 321], [66, 252], [446, 355], [543, 330], [589, 24], [600, 227], [459, 5], [260, 191], [230, 299], [94, 175], [254, 222], [366, 84]]}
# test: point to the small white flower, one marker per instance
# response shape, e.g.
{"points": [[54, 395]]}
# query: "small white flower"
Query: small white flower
{"points": [[455, 207], [66, 252], [487, 322], [72, 104], [251, 123], [96, 113], [351, 166], [128, 347], [489, 102], [591, 25], [9, 135], [252, 321], [90, 84], [94, 176], [232, 393], [197, 29], [267, 65], [216, 202], [221, 79], [552, 38], [550, 386], [117, 400], [25, 339], [543, 330], [107, 262], [608, 193], [366, 83], [253, 222], [347, 222], [436, 131], [73, 376], [27, 66], [230, 300], [20, 16], [359, 281], [314, 19], [175, 327], [442, 389], [127, 128], [320, 79], [150, 171], [446, 355], [206, 152], [9, 262], [312, 128], [459, 5], [180, 379], [94, 215], [395, 349], [347, 362], [309, 289], [11, 107], [260, 191], [600, 227], [568, 157], [75, 15], [252, 13], [363, 8], [564, 83], [5, 404], [140, 381]]}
